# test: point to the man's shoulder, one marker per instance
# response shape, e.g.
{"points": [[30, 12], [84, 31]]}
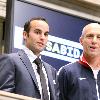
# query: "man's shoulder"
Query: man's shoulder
{"points": [[69, 67], [3, 57], [49, 66], [12, 55], [19, 52], [71, 64]]}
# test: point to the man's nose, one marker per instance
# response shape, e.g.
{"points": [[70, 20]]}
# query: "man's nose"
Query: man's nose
{"points": [[42, 36], [95, 39]]}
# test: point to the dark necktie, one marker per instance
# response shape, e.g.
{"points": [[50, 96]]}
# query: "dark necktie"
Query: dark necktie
{"points": [[45, 95]]}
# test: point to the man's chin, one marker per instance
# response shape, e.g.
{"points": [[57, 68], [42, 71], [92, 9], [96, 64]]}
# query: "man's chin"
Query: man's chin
{"points": [[94, 54]]}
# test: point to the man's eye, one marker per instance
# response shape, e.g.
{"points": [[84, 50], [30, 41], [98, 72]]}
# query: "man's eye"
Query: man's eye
{"points": [[37, 32], [89, 36], [46, 34], [98, 37]]}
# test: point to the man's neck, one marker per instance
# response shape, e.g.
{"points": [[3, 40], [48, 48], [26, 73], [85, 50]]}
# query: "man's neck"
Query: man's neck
{"points": [[94, 62]]}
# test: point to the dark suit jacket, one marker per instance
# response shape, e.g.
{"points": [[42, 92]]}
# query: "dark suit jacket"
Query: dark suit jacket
{"points": [[17, 76]]}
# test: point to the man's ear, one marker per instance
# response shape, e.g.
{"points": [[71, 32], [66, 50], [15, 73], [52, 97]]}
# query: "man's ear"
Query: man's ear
{"points": [[81, 40], [24, 35]]}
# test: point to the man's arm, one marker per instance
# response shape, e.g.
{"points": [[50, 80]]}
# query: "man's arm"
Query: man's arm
{"points": [[62, 81], [7, 73]]}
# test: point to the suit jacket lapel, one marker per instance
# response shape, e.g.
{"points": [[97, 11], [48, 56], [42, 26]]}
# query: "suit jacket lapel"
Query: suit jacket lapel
{"points": [[28, 65], [50, 81]]}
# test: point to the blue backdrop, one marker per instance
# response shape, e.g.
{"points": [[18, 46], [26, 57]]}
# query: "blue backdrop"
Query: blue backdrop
{"points": [[63, 45]]}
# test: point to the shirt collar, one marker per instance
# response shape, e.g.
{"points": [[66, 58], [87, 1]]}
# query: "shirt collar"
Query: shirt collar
{"points": [[30, 54], [83, 61]]}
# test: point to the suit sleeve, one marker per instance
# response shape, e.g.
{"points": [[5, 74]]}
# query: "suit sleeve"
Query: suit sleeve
{"points": [[7, 74]]}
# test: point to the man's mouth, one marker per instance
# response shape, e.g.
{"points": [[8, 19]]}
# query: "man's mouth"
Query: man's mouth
{"points": [[92, 47], [40, 43]]}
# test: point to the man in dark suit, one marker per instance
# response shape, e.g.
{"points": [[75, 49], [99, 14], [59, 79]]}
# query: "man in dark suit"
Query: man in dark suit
{"points": [[18, 71]]}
